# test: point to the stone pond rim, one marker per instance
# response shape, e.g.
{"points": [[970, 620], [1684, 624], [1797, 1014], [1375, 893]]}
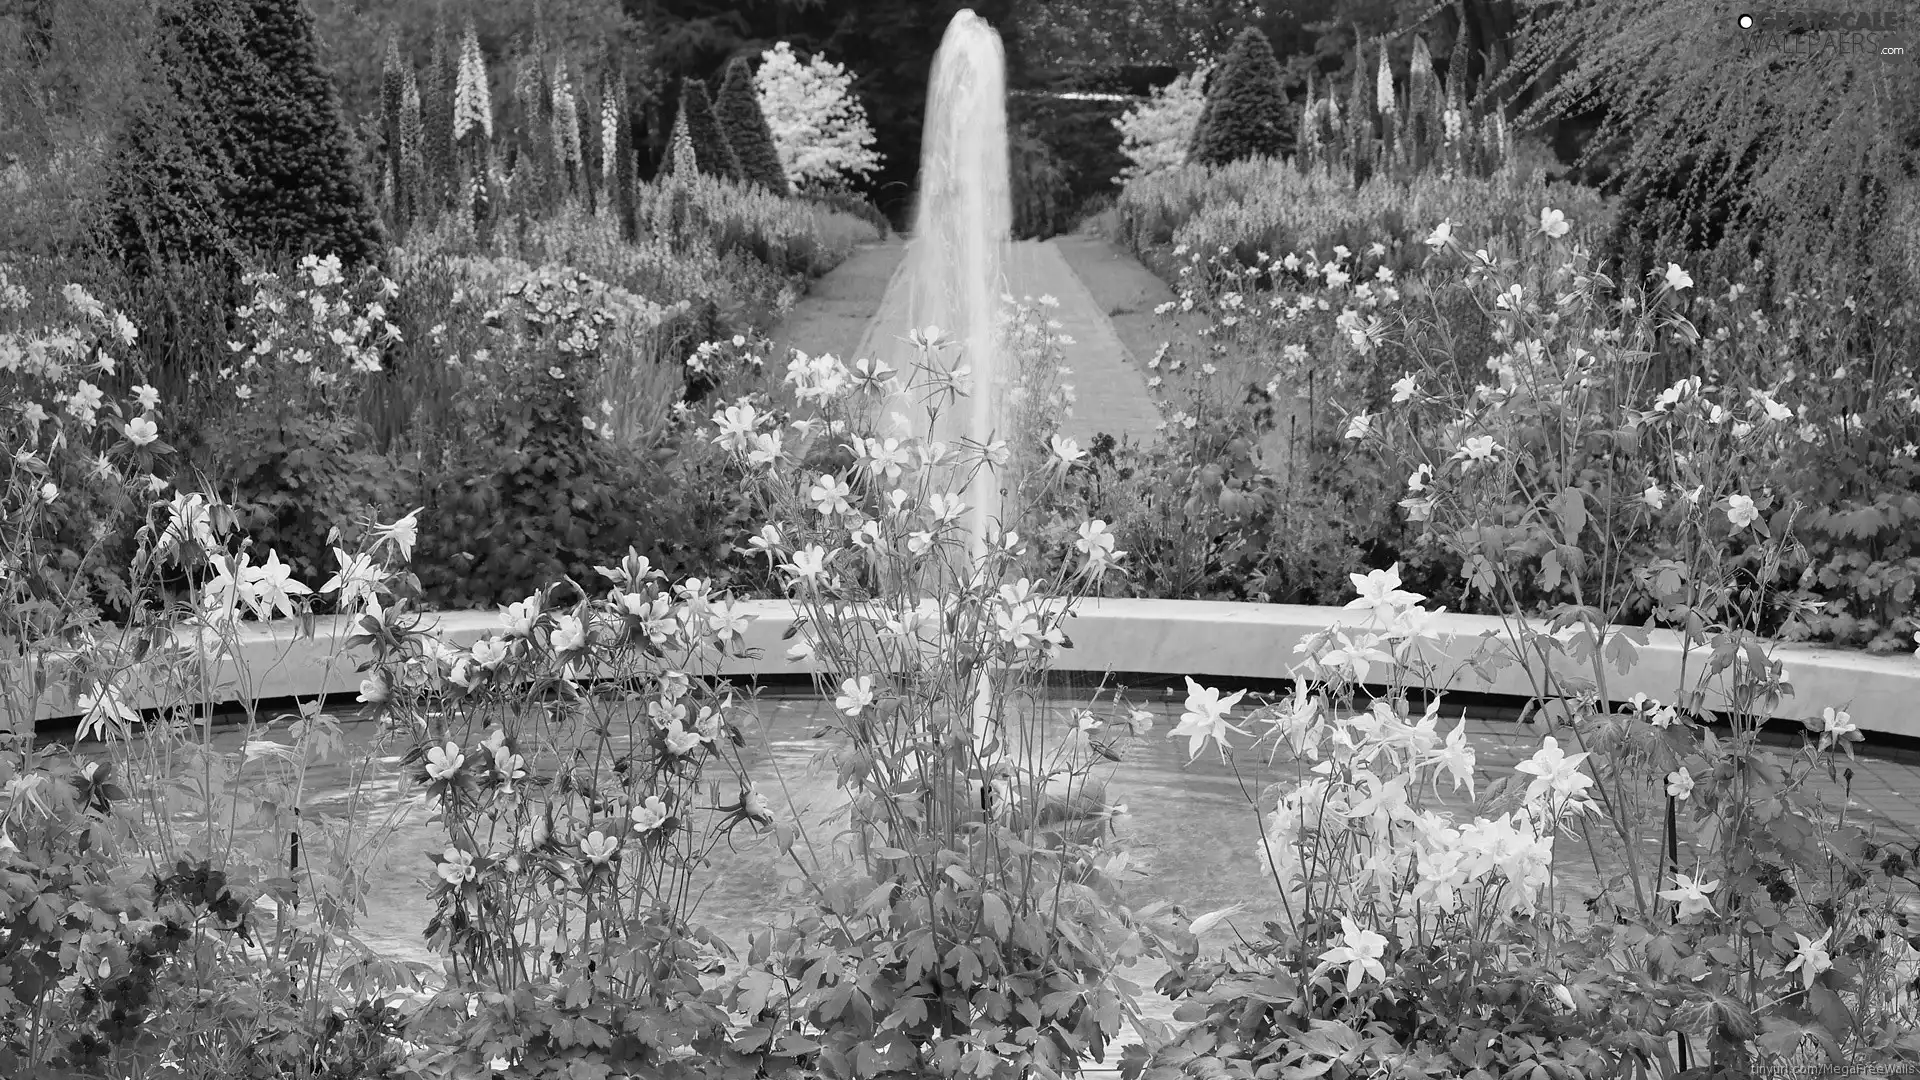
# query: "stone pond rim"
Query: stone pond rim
{"points": [[1211, 640]]}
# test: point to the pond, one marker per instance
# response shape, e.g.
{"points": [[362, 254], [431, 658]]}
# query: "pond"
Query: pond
{"points": [[1192, 835]]}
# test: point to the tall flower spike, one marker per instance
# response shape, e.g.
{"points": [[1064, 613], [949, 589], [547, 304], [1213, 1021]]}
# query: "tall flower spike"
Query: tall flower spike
{"points": [[472, 101], [566, 117], [1383, 90], [609, 130]]}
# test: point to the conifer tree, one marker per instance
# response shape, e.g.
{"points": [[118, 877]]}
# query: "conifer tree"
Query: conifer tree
{"points": [[746, 129], [171, 163], [1247, 111], [1206, 117], [297, 192], [710, 147]]}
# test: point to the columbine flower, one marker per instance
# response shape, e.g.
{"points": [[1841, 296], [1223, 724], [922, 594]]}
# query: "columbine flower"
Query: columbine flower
{"points": [[568, 634], [357, 578], [1553, 223], [1837, 726], [808, 563], [49, 492], [1655, 496], [402, 534], [1554, 771], [140, 431], [273, 587], [1679, 784], [443, 762], [855, 695], [1206, 718], [1691, 895], [1359, 426], [598, 847], [1810, 958], [649, 815], [1440, 235], [1477, 448], [1380, 589], [458, 868], [1096, 543], [1359, 951], [373, 690], [1741, 512], [829, 495], [1456, 757], [1404, 389], [1677, 278], [1066, 451]]}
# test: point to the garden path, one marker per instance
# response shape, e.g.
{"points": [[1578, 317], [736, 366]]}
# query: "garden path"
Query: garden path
{"points": [[1110, 390], [833, 316]]}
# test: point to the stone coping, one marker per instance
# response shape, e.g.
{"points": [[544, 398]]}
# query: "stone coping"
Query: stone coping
{"points": [[1205, 639]]}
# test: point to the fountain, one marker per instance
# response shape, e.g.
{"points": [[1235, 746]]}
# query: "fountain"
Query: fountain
{"points": [[953, 267]]}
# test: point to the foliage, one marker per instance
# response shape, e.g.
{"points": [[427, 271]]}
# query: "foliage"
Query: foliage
{"points": [[1552, 480], [239, 147], [172, 163], [1039, 187], [1157, 132], [1812, 139], [818, 126], [711, 150], [746, 128], [1247, 113], [977, 929]]}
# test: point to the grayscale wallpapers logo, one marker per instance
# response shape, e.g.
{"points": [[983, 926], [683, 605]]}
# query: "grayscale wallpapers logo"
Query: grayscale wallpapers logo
{"points": [[1887, 32]]}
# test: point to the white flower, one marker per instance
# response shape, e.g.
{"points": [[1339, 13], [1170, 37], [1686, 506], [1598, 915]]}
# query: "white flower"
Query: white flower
{"points": [[373, 690], [49, 492], [1680, 784], [1837, 725], [1691, 895], [402, 534], [518, 617], [597, 847], [1655, 496], [1555, 772], [1810, 958], [458, 867], [1359, 426], [489, 652], [1677, 278], [1478, 448], [829, 495], [1553, 223], [1206, 718], [855, 695], [808, 563], [1066, 451], [1440, 235], [568, 634], [649, 815], [1360, 952], [443, 762], [1380, 591], [273, 587], [140, 431], [1741, 512], [1404, 389]]}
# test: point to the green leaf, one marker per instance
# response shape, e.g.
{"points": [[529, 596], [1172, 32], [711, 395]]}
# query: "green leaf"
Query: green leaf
{"points": [[994, 912]]}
